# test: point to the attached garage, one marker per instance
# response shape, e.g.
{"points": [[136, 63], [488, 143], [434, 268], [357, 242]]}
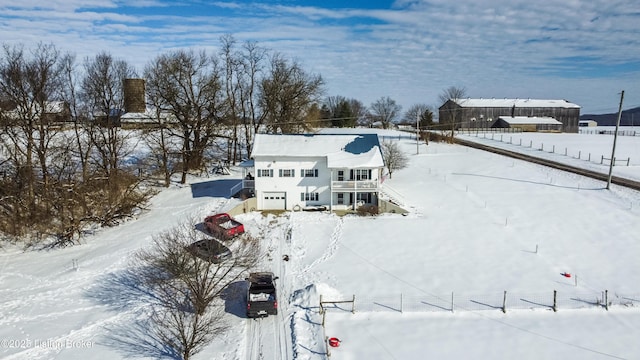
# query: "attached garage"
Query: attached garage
{"points": [[276, 200]]}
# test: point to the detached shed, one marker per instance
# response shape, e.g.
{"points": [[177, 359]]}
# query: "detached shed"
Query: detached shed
{"points": [[528, 123]]}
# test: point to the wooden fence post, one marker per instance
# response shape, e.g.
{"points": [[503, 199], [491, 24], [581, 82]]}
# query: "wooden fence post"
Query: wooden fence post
{"points": [[504, 302], [326, 345], [555, 304], [452, 302], [353, 304], [323, 316]]}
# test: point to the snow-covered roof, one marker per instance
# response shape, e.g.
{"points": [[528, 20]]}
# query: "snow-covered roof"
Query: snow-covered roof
{"points": [[50, 107], [55, 107], [519, 103], [341, 150], [521, 120], [249, 163], [145, 117]]}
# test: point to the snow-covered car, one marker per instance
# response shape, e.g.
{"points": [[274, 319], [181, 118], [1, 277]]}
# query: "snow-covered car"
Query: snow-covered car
{"points": [[210, 250]]}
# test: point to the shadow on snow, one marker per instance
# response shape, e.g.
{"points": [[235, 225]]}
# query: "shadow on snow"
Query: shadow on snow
{"points": [[214, 188]]}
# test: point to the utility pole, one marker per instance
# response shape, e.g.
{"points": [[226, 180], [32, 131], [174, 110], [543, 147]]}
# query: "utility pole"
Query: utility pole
{"points": [[615, 138]]}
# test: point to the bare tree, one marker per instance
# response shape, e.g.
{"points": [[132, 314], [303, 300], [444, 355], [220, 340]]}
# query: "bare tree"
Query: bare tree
{"points": [[187, 311], [420, 116], [232, 81], [30, 84], [163, 146], [341, 111], [359, 110], [79, 115], [286, 95], [252, 65], [449, 98], [188, 86], [394, 158], [51, 189], [73, 201], [385, 110], [333, 102], [423, 113], [103, 92]]}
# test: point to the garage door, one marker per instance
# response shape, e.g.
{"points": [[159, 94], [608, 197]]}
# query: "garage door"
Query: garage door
{"points": [[274, 200]]}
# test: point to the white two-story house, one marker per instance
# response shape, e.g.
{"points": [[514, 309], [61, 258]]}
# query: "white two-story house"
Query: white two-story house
{"points": [[295, 172]]}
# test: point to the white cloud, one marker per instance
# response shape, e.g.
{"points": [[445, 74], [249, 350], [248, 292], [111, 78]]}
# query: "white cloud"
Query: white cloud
{"points": [[584, 51]]}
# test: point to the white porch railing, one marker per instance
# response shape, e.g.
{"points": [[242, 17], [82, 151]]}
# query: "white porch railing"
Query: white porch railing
{"points": [[389, 193], [244, 184], [354, 185]]}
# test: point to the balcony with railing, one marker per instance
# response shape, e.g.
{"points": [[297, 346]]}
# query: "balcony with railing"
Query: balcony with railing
{"points": [[353, 185]]}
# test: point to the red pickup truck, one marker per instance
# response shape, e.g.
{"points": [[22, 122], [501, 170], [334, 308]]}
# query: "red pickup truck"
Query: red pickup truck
{"points": [[223, 226]]}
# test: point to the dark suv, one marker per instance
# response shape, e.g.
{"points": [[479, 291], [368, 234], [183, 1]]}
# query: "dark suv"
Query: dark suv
{"points": [[210, 250]]}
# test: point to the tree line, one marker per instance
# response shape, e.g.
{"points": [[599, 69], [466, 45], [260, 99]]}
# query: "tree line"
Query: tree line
{"points": [[65, 161]]}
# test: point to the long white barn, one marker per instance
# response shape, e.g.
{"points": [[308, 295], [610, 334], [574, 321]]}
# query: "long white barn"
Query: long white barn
{"points": [[300, 171], [483, 113]]}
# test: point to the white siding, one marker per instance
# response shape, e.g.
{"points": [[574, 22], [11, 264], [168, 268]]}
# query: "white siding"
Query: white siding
{"points": [[293, 186]]}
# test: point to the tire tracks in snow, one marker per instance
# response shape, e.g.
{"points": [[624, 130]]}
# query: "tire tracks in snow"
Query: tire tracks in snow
{"points": [[266, 338], [253, 339]]}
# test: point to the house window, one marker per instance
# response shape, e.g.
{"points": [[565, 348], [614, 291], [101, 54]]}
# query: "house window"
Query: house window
{"points": [[364, 197], [286, 173], [309, 172], [265, 173], [340, 175], [313, 196], [361, 174], [340, 198]]}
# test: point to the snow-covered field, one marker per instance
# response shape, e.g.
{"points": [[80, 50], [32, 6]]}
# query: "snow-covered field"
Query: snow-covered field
{"points": [[588, 149], [479, 225]]}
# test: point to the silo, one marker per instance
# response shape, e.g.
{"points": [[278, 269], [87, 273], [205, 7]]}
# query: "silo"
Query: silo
{"points": [[134, 101]]}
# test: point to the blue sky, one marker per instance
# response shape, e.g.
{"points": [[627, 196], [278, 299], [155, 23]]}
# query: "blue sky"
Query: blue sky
{"points": [[585, 51]]}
